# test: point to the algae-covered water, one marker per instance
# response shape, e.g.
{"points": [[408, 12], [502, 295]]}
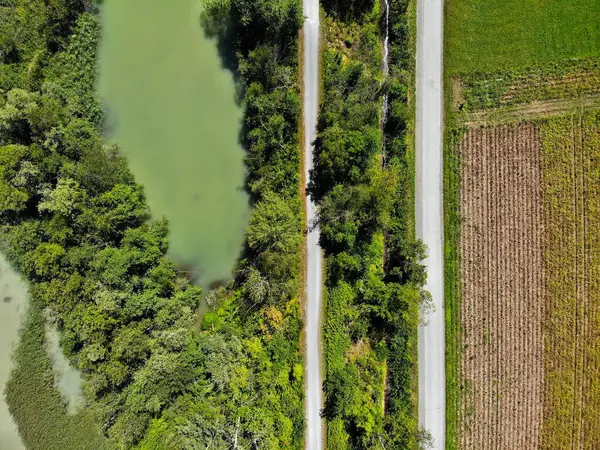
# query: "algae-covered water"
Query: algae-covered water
{"points": [[172, 110], [13, 301], [67, 379]]}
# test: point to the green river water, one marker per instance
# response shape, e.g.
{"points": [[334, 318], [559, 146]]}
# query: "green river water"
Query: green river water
{"points": [[13, 302], [172, 111]]}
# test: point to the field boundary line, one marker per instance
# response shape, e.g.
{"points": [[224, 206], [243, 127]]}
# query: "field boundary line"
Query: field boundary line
{"points": [[533, 110]]}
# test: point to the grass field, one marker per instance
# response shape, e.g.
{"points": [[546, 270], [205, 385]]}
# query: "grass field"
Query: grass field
{"points": [[37, 407], [489, 36]]}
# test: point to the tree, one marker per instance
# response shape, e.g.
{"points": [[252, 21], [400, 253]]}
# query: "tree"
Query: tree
{"points": [[256, 21], [15, 175], [343, 157], [14, 124], [47, 260], [131, 343], [273, 226], [348, 9], [100, 169], [76, 139], [44, 115], [424, 439], [120, 208], [65, 199]]}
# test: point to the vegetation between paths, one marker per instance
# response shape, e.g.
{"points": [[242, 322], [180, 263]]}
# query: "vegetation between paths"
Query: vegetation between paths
{"points": [[363, 183]]}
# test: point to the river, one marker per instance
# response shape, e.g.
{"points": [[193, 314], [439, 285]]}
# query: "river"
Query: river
{"points": [[172, 111], [13, 300]]}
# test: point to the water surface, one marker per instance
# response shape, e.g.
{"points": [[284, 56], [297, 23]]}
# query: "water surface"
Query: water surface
{"points": [[172, 110], [13, 301], [67, 379]]}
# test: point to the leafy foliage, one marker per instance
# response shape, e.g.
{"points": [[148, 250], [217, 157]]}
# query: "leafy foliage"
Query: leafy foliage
{"points": [[75, 223], [362, 181]]}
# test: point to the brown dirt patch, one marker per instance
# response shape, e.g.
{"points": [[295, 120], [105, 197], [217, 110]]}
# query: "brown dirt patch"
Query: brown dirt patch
{"points": [[502, 272]]}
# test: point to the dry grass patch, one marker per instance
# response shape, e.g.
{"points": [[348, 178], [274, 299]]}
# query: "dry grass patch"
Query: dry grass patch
{"points": [[568, 80], [571, 184]]}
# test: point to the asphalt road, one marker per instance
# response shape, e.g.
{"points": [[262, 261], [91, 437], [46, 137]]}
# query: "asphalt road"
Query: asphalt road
{"points": [[429, 209], [314, 380]]}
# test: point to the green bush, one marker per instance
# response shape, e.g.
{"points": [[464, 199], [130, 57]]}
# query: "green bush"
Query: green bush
{"points": [[363, 184]]}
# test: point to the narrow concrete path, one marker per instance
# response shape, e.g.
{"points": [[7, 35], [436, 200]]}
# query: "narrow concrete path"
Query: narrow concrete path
{"points": [[429, 209], [314, 380]]}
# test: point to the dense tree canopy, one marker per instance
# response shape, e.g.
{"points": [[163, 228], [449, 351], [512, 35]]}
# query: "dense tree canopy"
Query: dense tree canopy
{"points": [[75, 223]]}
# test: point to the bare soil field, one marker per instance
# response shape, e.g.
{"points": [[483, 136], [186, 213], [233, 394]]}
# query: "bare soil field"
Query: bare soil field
{"points": [[502, 274], [530, 285]]}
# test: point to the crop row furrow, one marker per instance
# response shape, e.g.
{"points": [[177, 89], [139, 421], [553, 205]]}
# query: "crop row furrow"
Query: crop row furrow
{"points": [[502, 274]]}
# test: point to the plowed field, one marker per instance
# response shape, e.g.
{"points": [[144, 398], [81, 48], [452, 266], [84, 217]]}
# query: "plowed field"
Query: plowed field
{"points": [[502, 295], [530, 286]]}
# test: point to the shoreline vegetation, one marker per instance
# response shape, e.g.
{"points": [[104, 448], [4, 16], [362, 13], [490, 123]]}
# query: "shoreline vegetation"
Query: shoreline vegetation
{"points": [[364, 191], [76, 225]]}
